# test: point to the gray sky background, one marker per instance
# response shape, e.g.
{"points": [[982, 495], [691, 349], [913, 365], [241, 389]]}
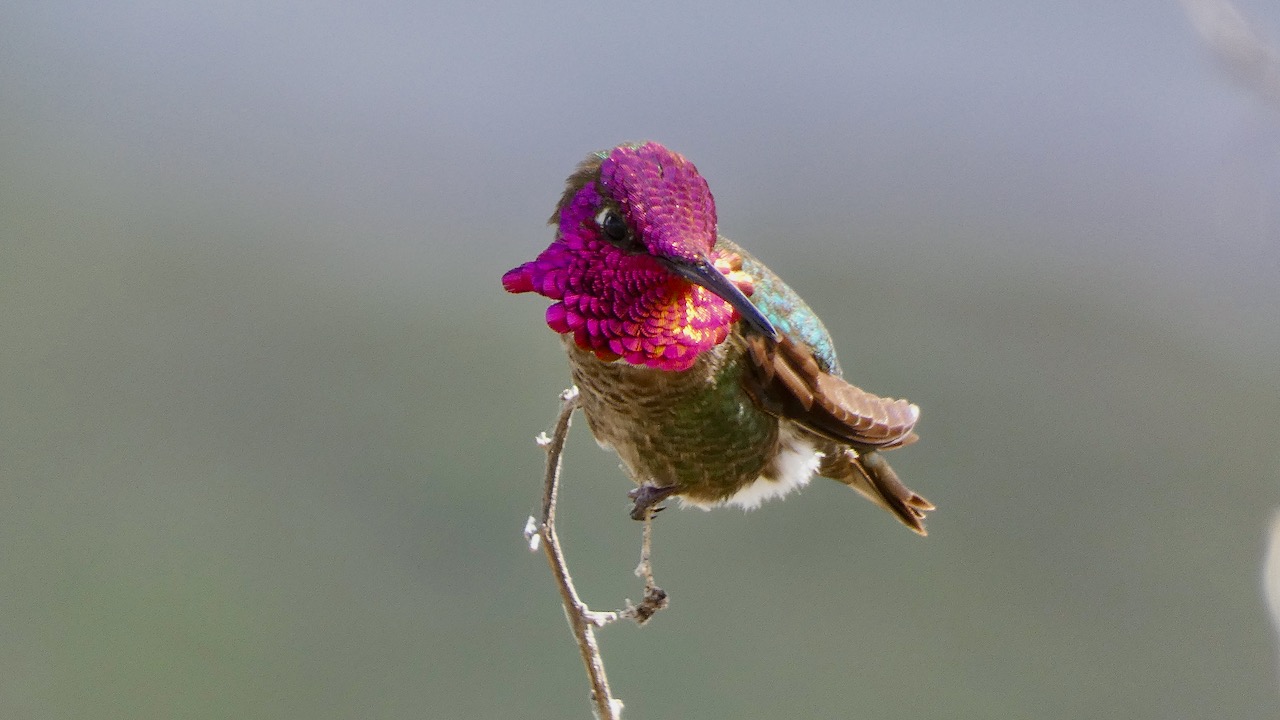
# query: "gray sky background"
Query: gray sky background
{"points": [[268, 413]]}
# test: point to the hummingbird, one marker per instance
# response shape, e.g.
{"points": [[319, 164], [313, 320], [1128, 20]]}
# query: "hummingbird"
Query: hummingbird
{"points": [[710, 378]]}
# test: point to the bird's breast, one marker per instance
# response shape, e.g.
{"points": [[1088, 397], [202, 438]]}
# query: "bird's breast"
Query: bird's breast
{"points": [[696, 429]]}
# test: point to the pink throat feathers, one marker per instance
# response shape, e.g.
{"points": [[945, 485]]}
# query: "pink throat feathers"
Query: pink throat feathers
{"points": [[622, 302]]}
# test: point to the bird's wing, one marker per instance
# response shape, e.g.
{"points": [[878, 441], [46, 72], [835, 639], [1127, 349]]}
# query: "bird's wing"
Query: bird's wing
{"points": [[799, 377], [789, 382]]}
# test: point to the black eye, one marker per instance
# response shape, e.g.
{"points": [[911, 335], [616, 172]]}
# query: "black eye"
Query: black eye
{"points": [[614, 227]]}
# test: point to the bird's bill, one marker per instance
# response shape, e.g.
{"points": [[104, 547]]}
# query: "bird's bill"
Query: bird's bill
{"points": [[702, 272]]}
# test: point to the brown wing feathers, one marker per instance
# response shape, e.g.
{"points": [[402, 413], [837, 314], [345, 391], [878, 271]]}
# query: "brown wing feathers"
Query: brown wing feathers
{"points": [[789, 382], [792, 384]]}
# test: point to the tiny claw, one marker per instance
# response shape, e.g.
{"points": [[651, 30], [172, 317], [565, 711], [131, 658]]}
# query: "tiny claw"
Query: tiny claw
{"points": [[655, 599], [647, 497]]}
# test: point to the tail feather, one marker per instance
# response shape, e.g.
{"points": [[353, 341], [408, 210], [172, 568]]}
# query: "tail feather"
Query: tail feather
{"points": [[869, 474]]}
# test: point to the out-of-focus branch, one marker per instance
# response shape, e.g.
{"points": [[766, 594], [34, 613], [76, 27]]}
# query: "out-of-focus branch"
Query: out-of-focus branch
{"points": [[1238, 46], [1271, 572]]}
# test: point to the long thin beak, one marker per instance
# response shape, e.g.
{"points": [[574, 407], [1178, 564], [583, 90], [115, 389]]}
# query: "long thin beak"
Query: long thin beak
{"points": [[702, 272]]}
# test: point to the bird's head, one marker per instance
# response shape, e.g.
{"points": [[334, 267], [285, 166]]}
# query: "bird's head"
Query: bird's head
{"points": [[634, 268]]}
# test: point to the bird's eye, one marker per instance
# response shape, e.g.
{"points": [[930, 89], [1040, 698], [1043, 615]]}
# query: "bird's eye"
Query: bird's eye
{"points": [[613, 226]]}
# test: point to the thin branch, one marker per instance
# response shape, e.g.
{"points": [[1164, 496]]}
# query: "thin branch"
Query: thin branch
{"points": [[655, 598], [582, 620]]}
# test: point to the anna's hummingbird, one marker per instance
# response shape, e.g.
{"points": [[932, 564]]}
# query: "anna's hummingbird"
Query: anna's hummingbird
{"points": [[709, 376]]}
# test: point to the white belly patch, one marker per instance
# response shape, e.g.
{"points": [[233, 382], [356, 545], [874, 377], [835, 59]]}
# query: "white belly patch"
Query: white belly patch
{"points": [[797, 464]]}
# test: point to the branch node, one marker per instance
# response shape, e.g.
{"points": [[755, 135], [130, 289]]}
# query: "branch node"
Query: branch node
{"points": [[599, 619]]}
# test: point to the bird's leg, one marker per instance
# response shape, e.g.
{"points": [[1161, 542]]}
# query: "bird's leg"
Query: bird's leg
{"points": [[646, 498], [655, 598]]}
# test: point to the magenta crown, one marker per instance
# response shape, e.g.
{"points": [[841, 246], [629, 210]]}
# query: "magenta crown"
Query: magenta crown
{"points": [[620, 301]]}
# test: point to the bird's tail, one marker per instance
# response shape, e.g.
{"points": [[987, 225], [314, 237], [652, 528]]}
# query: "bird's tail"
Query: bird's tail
{"points": [[869, 474]]}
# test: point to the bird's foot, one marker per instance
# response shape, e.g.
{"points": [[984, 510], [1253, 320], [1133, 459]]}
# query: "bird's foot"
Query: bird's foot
{"points": [[655, 599], [646, 497]]}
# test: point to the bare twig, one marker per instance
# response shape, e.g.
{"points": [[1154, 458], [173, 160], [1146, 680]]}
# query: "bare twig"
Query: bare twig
{"points": [[582, 620], [655, 598]]}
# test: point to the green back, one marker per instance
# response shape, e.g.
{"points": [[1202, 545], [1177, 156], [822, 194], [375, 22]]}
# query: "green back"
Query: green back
{"points": [[784, 308]]}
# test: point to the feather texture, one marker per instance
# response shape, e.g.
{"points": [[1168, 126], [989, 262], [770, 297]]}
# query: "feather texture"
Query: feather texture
{"points": [[710, 377]]}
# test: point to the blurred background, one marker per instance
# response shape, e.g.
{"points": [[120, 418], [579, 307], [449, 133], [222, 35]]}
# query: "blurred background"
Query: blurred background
{"points": [[268, 416]]}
